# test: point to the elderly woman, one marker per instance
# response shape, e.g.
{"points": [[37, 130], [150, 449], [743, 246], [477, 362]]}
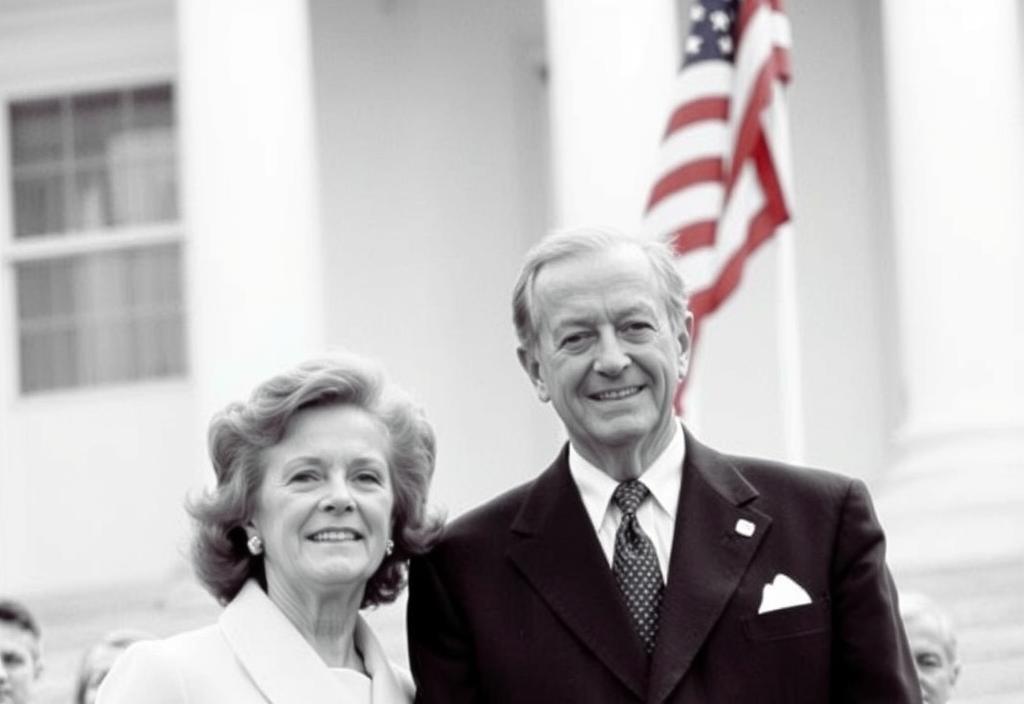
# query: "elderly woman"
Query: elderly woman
{"points": [[320, 500]]}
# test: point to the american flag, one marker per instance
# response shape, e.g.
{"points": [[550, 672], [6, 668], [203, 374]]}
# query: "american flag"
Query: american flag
{"points": [[722, 187]]}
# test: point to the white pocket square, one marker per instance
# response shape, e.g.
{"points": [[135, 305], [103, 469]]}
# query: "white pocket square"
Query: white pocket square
{"points": [[782, 593]]}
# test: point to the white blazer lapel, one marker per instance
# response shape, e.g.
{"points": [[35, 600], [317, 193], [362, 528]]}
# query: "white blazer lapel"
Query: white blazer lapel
{"points": [[388, 687], [280, 661]]}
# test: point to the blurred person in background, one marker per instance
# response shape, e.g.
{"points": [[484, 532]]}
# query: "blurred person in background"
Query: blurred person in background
{"points": [[320, 500], [933, 645], [97, 661], [20, 653]]}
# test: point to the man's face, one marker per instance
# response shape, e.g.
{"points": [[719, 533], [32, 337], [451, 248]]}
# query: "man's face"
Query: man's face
{"points": [[17, 664], [606, 356], [935, 671]]}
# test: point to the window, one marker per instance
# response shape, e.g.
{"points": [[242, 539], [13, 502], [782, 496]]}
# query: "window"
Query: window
{"points": [[96, 249]]}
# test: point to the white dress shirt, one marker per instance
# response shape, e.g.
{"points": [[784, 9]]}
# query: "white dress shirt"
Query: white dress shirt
{"points": [[656, 515]]}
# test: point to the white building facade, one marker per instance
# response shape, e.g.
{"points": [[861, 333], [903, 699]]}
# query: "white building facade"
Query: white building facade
{"points": [[195, 195]]}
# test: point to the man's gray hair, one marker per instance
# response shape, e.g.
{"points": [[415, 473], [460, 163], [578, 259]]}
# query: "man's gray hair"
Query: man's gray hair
{"points": [[918, 607], [567, 244]]}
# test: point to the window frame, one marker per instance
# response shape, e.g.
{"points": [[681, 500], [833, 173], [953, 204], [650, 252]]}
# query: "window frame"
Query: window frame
{"points": [[14, 250]]}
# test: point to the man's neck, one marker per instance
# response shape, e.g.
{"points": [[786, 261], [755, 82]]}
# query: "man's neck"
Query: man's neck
{"points": [[628, 461]]}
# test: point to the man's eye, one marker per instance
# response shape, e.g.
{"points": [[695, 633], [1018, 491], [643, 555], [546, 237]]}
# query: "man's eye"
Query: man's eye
{"points": [[575, 340], [638, 328]]}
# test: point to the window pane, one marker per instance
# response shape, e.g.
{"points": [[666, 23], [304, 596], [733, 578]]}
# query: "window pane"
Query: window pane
{"points": [[152, 107], [36, 132], [144, 178], [100, 318], [94, 160], [91, 198], [96, 117]]}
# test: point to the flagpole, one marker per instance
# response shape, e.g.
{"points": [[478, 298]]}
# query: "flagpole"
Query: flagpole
{"points": [[790, 367]]}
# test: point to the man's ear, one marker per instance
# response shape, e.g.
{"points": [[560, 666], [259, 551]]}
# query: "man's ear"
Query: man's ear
{"points": [[685, 340], [528, 361]]}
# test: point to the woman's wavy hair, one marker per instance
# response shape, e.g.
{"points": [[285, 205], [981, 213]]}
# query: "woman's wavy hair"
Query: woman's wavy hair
{"points": [[239, 434]]}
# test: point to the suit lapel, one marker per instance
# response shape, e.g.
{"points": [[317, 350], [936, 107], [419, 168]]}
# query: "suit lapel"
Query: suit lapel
{"points": [[555, 548], [708, 560]]}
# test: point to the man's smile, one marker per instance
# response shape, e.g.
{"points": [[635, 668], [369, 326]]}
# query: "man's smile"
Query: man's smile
{"points": [[616, 394]]}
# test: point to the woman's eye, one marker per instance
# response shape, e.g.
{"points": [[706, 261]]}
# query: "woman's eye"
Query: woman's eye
{"points": [[368, 478], [305, 475]]}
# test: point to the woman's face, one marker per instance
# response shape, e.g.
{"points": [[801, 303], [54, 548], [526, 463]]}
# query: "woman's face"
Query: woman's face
{"points": [[324, 506]]}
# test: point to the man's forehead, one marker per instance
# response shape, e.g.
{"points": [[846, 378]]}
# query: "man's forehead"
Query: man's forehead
{"points": [[570, 312], [14, 638], [926, 636]]}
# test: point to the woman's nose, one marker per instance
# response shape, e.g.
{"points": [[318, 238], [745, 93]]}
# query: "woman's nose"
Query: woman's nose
{"points": [[337, 495]]}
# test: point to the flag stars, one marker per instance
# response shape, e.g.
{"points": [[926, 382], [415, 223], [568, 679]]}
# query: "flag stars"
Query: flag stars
{"points": [[720, 20], [693, 44], [697, 12], [725, 45]]}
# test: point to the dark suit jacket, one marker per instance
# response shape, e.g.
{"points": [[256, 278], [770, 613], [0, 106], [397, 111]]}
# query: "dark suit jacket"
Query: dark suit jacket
{"points": [[517, 603]]}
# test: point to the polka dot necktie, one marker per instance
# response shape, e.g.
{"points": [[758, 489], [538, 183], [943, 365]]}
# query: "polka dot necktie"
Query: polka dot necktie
{"points": [[635, 564]]}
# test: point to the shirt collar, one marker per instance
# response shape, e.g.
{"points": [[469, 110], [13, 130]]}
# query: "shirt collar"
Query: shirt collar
{"points": [[664, 478]]}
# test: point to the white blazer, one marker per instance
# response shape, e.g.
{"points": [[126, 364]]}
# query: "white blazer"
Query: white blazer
{"points": [[252, 654]]}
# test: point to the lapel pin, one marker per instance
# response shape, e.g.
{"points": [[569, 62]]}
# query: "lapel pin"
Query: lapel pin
{"points": [[745, 527]]}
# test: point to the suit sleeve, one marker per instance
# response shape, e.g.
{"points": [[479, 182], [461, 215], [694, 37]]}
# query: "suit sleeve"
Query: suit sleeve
{"points": [[871, 658], [440, 648], [143, 673]]}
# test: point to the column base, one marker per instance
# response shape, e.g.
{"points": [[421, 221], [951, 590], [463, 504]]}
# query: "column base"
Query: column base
{"points": [[955, 499]]}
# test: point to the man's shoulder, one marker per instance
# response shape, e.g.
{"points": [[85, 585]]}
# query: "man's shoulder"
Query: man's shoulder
{"points": [[488, 520], [790, 480]]}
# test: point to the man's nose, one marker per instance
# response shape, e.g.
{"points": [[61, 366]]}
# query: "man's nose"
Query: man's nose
{"points": [[611, 359]]}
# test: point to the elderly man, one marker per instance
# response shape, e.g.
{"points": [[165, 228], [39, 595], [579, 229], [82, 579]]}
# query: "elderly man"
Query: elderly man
{"points": [[20, 662], [642, 566], [933, 645]]}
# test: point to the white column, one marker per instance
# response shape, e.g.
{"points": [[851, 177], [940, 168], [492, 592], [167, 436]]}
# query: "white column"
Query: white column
{"points": [[611, 69], [253, 237], [956, 119]]}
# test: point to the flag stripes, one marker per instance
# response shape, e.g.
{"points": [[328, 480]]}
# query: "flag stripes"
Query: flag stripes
{"points": [[721, 191]]}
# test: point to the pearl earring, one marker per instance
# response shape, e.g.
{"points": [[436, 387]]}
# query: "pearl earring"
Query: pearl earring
{"points": [[255, 545], [389, 547]]}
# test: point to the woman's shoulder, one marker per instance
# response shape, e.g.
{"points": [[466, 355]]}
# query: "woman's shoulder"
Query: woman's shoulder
{"points": [[179, 649], [158, 670]]}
